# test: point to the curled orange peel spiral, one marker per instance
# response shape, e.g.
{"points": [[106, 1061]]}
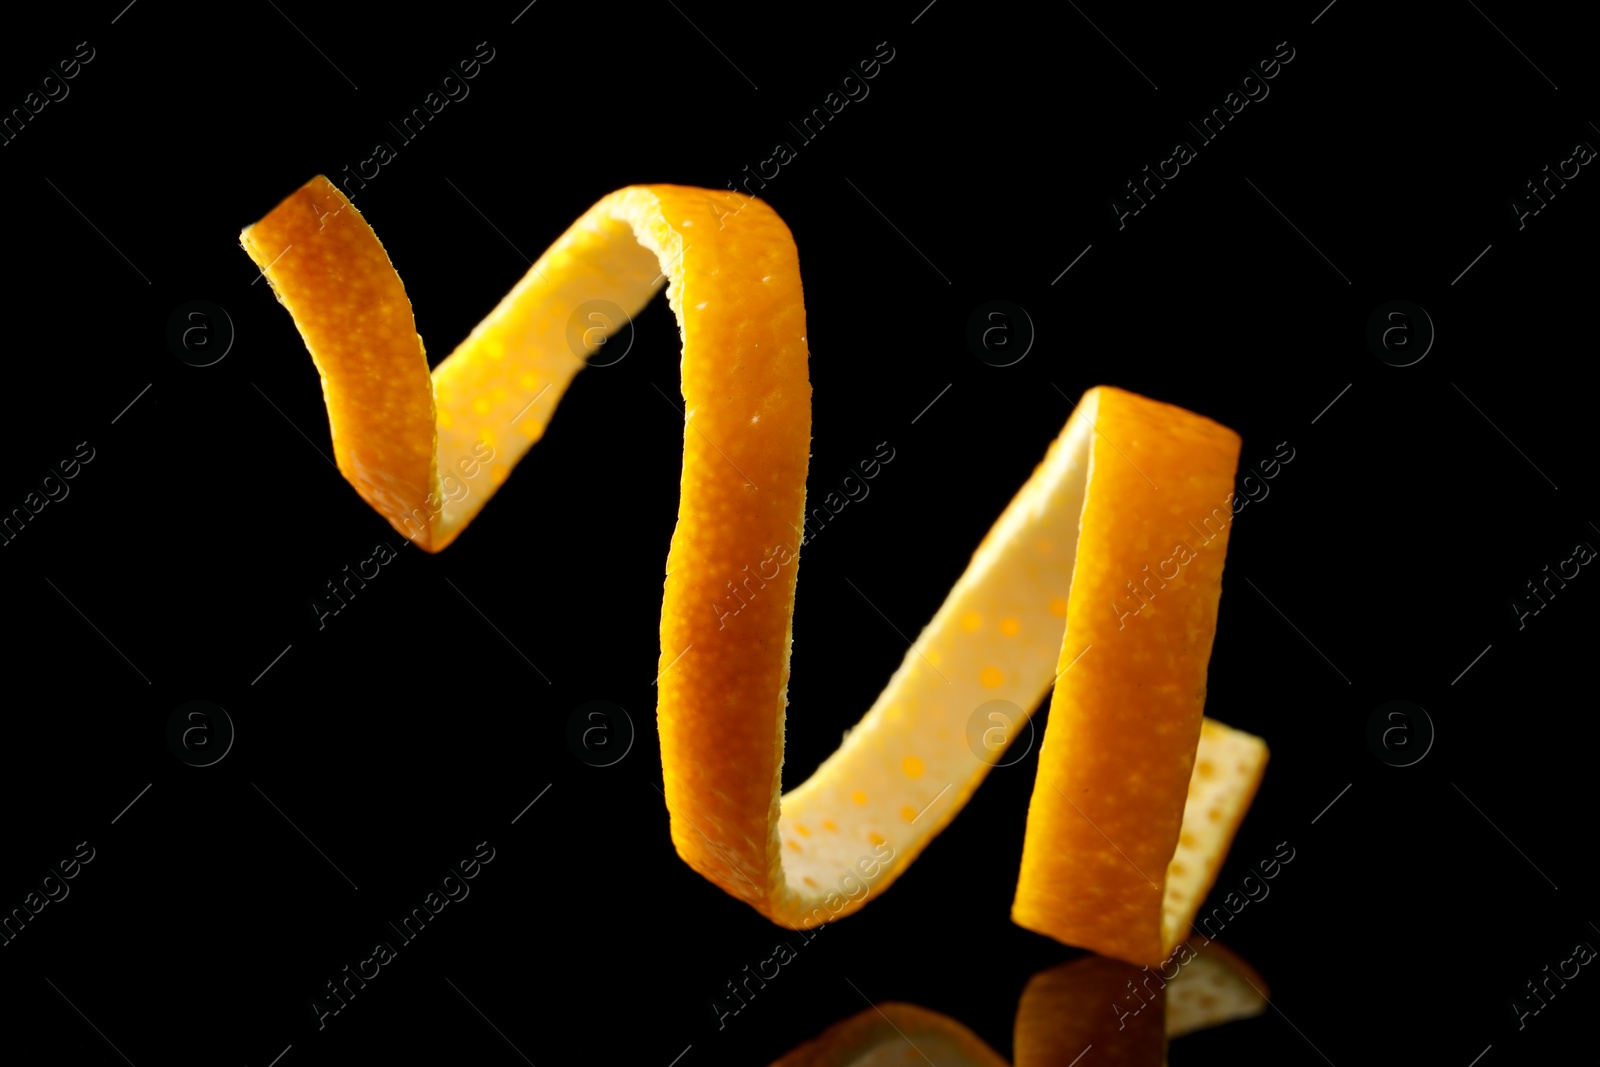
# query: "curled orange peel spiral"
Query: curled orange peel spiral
{"points": [[1102, 576]]}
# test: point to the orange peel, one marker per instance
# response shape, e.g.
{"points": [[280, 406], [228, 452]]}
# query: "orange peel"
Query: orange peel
{"points": [[1136, 799]]}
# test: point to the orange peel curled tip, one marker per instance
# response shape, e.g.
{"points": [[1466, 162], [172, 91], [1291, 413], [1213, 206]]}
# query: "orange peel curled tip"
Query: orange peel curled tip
{"points": [[1078, 585]]}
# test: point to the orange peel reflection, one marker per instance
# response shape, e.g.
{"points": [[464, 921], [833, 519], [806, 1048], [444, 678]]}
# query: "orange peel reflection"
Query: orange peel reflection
{"points": [[1086, 1003]]}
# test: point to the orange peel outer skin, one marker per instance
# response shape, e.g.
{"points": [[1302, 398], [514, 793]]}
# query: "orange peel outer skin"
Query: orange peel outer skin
{"points": [[1115, 765], [724, 682], [329, 269]]}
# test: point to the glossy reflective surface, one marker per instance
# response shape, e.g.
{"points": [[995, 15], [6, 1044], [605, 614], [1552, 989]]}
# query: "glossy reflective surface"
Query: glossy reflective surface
{"points": [[401, 808]]}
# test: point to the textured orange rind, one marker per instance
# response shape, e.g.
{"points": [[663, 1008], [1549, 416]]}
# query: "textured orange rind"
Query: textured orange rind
{"points": [[1079, 584]]}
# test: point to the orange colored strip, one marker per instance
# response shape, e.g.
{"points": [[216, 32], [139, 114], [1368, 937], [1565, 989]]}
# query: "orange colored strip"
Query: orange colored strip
{"points": [[328, 268], [1117, 768], [1108, 805]]}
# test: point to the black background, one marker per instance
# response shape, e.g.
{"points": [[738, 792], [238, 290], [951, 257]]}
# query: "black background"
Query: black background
{"points": [[184, 560]]}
